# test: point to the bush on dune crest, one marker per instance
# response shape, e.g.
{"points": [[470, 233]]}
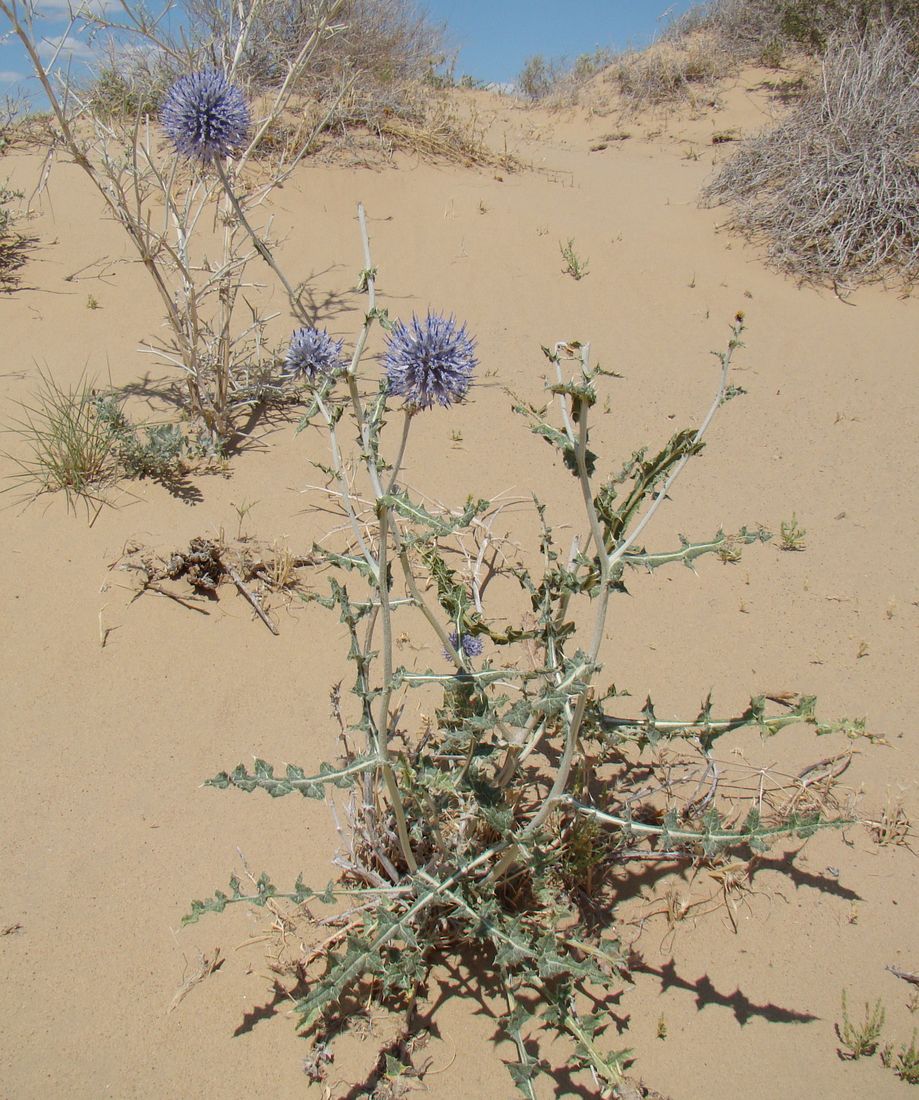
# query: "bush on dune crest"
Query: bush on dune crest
{"points": [[764, 30]]}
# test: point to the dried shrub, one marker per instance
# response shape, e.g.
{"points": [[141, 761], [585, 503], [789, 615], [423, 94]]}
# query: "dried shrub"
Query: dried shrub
{"points": [[834, 188], [558, 83], [670, 71], [404, 117], [743, 29]]}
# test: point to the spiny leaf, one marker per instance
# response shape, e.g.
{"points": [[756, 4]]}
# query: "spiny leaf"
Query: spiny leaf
{"points": [[311, 786], [721, 544]]}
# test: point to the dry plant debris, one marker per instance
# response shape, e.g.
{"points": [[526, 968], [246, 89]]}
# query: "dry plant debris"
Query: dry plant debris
{"points": [[207, 563]]}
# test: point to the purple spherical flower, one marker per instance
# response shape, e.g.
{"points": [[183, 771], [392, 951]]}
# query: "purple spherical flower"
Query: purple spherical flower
{"points": [[429, 361], [468, 644], [313, 352], [205, 116]]}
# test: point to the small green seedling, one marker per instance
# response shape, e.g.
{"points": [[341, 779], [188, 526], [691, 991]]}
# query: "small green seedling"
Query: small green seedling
{"points": [[574, 265], [860, 1040], [792, 535]]}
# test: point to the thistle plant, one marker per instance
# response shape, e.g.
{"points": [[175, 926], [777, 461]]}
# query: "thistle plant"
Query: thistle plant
{"points": [[519, 783]]}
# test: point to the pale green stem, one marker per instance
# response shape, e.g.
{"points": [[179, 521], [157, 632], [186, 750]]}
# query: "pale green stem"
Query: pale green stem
{"points": [[383, 719], [260, 246], [397, 465], [342, 479]]}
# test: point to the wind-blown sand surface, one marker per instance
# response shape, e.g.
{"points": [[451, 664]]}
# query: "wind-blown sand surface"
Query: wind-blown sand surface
{"points": [[105, 834]]}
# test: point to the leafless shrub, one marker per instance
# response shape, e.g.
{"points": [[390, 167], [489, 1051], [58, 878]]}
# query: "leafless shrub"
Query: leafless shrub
{"points": [[378, 42], [538, 77], [670, 71], [834, 188]]}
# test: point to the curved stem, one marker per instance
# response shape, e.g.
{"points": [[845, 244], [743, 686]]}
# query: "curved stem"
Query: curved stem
{"points": [[260, 246], [397, 465]]}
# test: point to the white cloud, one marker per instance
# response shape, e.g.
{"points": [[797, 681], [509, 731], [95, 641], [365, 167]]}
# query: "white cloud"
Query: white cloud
{"points": [[7, 76], [69, 46]]}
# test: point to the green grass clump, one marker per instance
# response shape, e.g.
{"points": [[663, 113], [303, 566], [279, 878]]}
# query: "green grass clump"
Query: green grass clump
{"points": [[71, 450], [79, 441]]}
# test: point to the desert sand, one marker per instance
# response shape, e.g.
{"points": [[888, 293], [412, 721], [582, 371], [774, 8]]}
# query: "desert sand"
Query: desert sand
{"points": [[115, 709]]}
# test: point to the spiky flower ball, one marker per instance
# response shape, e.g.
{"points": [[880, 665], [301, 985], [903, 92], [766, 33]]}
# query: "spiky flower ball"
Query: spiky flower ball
{"points": [[429, 361], [312, 353], [469, 644], [205, 116]]}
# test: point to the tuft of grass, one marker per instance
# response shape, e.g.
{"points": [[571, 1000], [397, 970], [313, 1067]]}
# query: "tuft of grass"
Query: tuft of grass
{"points": [[13, 245], [574, 265], [79, 441], [860, 1040], [71, 450], [833, 189]]}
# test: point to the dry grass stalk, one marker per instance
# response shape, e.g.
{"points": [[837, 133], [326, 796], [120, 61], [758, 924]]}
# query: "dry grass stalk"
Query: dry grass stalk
{"points": [[207, 964]]}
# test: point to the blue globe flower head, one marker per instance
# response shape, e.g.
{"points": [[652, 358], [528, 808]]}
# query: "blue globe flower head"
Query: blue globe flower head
{"points": [[205, 116], [313, 353], [429, 362], [469, 644]]}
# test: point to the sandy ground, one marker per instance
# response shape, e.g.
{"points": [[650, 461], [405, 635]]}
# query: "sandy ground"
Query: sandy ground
{"points": [[105, 834]]}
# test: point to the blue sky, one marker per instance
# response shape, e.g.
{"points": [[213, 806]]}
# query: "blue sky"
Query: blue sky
{"points": [[493, 37]]}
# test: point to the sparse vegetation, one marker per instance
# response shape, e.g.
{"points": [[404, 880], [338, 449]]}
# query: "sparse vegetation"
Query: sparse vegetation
{"points": [[487, 821], [78, 442], [10, 242], [767, 30], [538, 77], [373, 74], [70, 447], [557, 82], [904, 1062]]}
